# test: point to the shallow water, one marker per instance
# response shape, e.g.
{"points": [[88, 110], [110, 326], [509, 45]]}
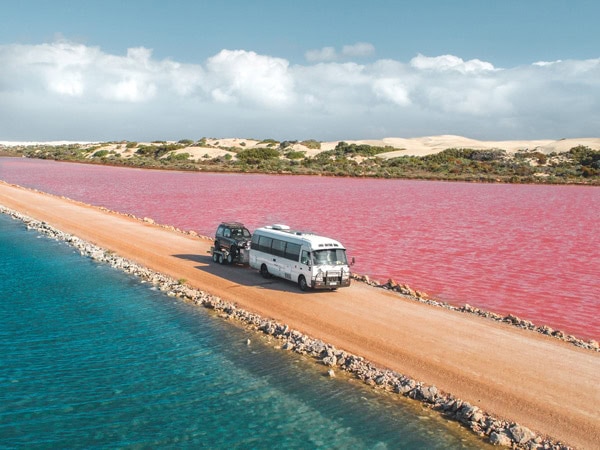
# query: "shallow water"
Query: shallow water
{"points": [[521, 249], [92, 358]]}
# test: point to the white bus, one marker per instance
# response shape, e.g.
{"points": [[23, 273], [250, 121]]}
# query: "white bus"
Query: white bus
{"points": [[307, 259]]}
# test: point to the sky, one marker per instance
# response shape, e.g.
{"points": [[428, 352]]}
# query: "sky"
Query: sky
{"points": [[111, 70]]}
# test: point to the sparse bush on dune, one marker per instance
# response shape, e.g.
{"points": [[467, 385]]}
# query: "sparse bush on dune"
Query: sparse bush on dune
{"points": [[269, 142], [579, 165], [256, 155], [311, 144], [178, 156], [100, 153]]}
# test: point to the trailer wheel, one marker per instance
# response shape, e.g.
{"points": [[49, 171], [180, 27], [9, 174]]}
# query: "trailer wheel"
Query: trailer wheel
{"points": [[264, 271], [232, 255], [302, 283]]}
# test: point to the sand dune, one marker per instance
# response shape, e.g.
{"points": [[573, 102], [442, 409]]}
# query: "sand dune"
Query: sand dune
{"points": [[435, 144], [427, 145], [419, 146]]}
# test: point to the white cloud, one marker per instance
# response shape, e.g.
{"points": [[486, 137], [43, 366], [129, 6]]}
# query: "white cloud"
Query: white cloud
{"points": [[130, 90], [323, 54], [393, 90], [360, 49], [329, 54], [64, 90], [66, 82], [546, 63], [139, 55], [246, 77], [450, 62]]}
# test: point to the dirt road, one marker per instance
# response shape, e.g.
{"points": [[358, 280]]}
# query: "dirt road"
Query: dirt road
{"points": [[547, 385]]}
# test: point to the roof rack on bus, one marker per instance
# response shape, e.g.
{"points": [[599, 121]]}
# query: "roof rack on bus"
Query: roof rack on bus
{"points": [[286, 229]]}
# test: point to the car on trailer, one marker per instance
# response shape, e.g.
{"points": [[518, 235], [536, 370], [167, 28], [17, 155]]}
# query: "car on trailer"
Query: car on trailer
{"points": [[232, 243]]}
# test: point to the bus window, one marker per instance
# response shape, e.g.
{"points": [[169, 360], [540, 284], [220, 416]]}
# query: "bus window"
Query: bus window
{"points": [[292, 251], [264, 244], [278, 247]]}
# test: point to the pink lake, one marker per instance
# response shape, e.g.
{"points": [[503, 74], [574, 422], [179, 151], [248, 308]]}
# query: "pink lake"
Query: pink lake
{"points": [[529, 250]]}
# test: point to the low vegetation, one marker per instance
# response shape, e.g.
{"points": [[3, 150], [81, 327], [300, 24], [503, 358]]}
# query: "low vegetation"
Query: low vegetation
{"points": [[580, 165]]}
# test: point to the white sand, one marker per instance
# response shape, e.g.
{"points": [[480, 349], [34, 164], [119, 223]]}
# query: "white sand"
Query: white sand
{"points": [[435, 144]]}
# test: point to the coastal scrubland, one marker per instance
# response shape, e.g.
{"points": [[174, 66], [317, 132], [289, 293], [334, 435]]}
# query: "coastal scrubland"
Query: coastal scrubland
{"points": [[534, 163]]}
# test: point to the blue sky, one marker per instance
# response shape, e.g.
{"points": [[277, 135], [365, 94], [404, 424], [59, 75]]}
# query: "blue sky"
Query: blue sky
{"points": [[326, 70]]}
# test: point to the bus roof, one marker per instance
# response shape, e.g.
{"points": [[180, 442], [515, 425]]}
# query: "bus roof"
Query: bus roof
{"points": [[312, 240]]}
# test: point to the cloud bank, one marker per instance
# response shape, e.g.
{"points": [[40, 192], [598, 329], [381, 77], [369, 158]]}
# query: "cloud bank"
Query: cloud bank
{"points": [[64, 90]]}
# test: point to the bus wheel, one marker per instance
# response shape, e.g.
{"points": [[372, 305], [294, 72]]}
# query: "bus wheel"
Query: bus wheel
{"points": [[264, 271], [302, 283]]}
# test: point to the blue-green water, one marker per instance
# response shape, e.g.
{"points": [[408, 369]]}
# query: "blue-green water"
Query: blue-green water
{"points": [[92, 358]]}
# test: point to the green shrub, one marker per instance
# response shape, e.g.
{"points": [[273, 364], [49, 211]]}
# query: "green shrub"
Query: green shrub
{"points": [[156, 151], [269, 142], [178, 157], [343, 149], [285, 144], [312, 144], [256, 155], [295, 155], [585, 156]]}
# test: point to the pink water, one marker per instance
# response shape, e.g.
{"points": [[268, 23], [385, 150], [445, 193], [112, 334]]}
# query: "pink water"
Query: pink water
{"points": [[533, 251]]}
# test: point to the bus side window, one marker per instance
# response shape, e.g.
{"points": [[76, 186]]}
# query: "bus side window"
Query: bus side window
{"points": [[305, 259]]}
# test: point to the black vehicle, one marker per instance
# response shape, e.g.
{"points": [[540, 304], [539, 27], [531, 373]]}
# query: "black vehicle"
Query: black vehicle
{"points": [[232, 243]]}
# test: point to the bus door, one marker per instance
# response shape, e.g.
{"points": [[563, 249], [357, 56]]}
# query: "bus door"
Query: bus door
{"points": [[278, 262], [305, 265], [293, 267]]}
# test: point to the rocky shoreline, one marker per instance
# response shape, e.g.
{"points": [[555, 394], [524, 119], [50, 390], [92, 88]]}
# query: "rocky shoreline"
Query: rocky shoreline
{"points": [[489, 428]]}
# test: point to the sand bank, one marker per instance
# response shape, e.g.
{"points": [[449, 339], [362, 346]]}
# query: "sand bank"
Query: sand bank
{"points": [[416, 146], [546, 385]]}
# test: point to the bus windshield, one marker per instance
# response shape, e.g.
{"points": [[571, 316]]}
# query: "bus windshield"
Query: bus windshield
{"points": [[333, 257]]}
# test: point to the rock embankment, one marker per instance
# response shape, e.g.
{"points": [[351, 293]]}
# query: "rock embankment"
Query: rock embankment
{"points": [[490, 428]]}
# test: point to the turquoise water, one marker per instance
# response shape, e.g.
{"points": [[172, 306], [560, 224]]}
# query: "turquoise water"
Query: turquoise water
{"points": [[92, 358]]}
